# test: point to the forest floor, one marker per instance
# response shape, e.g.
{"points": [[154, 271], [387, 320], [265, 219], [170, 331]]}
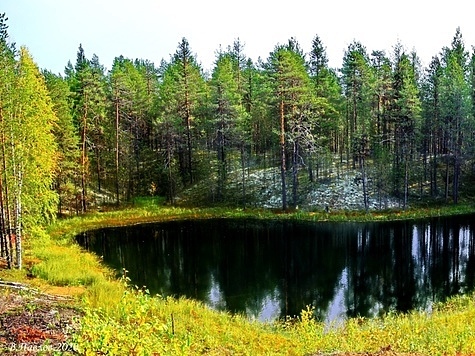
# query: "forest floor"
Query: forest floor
{"points": [[33, 323], [336, 191], [339, 189]]}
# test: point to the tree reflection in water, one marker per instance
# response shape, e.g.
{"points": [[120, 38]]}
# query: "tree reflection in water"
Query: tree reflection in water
{"points": [[270, 269]]}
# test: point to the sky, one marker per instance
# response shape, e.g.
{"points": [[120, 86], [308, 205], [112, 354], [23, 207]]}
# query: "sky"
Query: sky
{"points": [[151, 29]]}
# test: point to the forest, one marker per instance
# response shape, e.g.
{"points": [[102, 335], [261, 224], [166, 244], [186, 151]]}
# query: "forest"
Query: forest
{"points": [[94, 136]]}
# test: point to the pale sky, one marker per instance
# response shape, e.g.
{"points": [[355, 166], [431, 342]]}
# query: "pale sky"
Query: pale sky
{"points": [[151, 29]]}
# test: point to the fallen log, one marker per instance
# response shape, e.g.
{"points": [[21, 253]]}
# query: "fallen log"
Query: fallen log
{"points": [[23, 287]]}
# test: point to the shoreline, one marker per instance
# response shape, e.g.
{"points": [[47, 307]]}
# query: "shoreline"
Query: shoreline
{"points": [[56, 264]]}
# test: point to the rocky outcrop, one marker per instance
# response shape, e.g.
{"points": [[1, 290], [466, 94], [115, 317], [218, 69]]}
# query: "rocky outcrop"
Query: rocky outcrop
{"points": [[344, 192]]}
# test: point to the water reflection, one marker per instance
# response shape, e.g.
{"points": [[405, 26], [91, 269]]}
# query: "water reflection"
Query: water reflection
{"points": [[272, 269]]}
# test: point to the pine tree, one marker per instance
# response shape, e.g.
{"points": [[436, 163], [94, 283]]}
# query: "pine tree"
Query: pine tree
{"points": [[121, 98], [329, 101], [295, 104], [184, 59], [455, 110], [380, 134], [88, 86], [358, 93], [431, 104], [258, 125], [405, 114], [185, 91], [168, 127], [66, 177], [227, 111], [318, 65], [131, 93]]}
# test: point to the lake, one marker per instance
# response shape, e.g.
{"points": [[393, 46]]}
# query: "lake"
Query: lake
{"points": [[270, 269]]}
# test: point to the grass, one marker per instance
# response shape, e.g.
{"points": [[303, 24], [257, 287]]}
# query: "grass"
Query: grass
{"points": [[142, 324], [146, 325], [120, 319]]}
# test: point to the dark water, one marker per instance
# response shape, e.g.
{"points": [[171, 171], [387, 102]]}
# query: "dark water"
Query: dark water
{"points": [[272, 269]]}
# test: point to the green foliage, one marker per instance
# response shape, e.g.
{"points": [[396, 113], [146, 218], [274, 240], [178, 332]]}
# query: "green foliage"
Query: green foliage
{"points": [[152, 131], [229, 118], [53, 262], [66, 172], [137, 324], [143, 130], [88, 85], [357, 90], [295, 105], [181, 103], [132, 89], [34, 142], [62, 263], [28, 152]]}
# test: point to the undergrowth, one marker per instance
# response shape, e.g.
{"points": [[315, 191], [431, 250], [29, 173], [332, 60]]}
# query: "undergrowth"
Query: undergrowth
{"points": [[151, 325]]}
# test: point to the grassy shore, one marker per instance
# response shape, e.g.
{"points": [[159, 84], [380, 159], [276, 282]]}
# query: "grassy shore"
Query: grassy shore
{"points": [[120, 319]]}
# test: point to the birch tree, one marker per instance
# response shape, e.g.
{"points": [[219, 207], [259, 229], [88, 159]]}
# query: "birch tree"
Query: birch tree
{"points": [[7, 78], [29, 154]]}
